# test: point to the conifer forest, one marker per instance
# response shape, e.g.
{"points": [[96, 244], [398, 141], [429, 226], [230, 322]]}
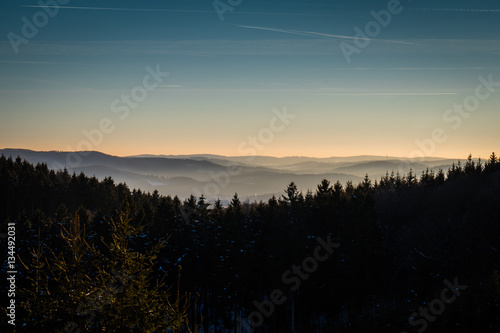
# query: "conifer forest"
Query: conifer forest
{"points": [[404, 253]]}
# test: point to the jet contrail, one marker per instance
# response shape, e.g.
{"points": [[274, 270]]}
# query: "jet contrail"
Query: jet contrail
{"points": [[317, 34], [410, 68], [387, 94], [457, 10], [295, 32], [180, 10], [40, 62], [123, 9]]}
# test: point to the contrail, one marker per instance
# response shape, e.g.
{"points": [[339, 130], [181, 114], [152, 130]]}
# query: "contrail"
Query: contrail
{"points": [[317, 34], [410, 68], [295, 32], [40, 62], [388, 94], [124, 9], [181, 11], [457, 10]]}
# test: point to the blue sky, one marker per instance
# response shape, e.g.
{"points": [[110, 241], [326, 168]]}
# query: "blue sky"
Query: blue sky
{"points": [[226, 76]]}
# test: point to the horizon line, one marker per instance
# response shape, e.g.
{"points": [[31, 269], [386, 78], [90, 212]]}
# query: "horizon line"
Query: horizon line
{"points": [[231, 156]]}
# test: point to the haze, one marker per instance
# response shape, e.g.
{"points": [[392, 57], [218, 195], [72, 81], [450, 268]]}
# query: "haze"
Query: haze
{"points": [[227, 76]]}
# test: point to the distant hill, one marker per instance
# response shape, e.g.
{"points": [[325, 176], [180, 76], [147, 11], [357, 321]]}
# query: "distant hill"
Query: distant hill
{"points": [[252, 177]]}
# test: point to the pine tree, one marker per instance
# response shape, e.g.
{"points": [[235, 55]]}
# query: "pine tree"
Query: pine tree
{"points": [[493, 163], [86, 287], [324, 188], [133, 300], [411, 180], [470, 166], [293, 195], [234, 209], [440, 177]]}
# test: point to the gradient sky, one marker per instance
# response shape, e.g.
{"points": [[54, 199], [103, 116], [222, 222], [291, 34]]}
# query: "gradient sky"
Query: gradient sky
{"points": [[226, 77]]}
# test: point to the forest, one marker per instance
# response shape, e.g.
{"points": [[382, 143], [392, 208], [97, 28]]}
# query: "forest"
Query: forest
{"points": [[377, 256]]}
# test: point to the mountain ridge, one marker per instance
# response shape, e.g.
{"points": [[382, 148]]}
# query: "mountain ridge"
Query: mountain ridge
{"points": [[218, 176]]}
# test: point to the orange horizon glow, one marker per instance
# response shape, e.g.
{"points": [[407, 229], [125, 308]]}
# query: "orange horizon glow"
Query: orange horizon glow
{"points": [[127, 153]]}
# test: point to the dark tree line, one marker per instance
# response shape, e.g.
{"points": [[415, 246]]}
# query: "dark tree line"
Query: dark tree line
{"points": [[188, 266]]}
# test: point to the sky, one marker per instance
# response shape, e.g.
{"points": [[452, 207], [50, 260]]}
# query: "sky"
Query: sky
{"points": [[312, 78]]}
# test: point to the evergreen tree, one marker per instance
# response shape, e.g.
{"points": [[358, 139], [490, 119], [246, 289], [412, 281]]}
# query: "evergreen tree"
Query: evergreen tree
{"points": [[87, 288]]}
